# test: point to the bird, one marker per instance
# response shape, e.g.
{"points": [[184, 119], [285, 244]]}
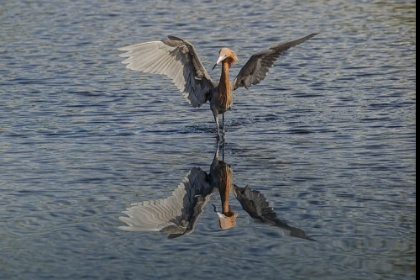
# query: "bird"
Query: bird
{"points": [[177, 214], [221, 178], [177, 59]]}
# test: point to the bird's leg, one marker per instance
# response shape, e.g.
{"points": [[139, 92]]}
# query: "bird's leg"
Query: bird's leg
{"points": [[223, 124], [223, 151], [218, 130], [222, 139], [216, 155], [216, 119]]}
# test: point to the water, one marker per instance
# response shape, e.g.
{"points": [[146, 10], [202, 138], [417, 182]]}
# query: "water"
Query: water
{"points": [[328, 138]]}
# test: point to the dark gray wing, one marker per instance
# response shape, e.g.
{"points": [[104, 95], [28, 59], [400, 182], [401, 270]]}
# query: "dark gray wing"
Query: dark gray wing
{"points": [[257, 206], [175, 215], [175, 58], [256, 68]]}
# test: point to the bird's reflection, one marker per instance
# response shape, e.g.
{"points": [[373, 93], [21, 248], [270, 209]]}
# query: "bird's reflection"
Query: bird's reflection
{"points": [[177, 214]]}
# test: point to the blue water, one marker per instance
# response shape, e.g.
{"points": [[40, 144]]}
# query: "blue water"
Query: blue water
{"points": [[328, 138]]}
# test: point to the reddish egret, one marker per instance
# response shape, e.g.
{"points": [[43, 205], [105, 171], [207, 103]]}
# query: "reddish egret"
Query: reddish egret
{"points": [[221, 177], [178, 59], [178, 214]]}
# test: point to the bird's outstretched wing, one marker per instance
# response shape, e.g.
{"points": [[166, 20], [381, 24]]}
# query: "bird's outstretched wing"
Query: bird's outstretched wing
{"points": [[256, 68], [175, 215], [175, 58], [257, 206]]}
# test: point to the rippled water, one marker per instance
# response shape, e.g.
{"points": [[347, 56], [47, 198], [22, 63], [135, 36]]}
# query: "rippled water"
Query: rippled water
{"points": [[328, 138]]}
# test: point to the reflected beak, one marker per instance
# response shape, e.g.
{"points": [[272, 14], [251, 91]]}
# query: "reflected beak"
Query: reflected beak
{"points": [[220, 215], [220, 59]]}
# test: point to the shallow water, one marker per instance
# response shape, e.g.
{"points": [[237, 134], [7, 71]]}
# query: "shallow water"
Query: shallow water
{"points": [[328, 138]]}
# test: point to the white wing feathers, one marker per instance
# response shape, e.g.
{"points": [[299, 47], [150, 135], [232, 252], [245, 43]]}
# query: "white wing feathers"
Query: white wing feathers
{"points": [[178, 60], [174, 213]]}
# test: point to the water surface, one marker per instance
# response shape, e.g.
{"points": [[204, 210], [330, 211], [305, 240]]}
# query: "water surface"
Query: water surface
{"points": [[328, 138]]}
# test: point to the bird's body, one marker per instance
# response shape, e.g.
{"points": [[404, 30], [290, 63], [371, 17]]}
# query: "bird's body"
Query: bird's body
{"points": [[221, 177], [177, 59], [221, 98]]}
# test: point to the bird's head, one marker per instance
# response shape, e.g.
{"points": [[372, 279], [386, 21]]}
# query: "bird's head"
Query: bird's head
{"points": [[226, 55], [227, 220]]}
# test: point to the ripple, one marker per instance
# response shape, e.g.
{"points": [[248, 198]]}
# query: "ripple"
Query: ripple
{"points": [[328, 138]]}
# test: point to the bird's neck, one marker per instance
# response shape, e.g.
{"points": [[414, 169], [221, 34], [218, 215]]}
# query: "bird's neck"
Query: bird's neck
{"points": [[221, 177], [225, 188], [224, 79], [225, 200]]}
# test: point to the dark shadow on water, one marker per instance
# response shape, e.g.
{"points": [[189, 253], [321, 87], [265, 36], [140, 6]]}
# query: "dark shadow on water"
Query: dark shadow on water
{"points": [[178, 214]]}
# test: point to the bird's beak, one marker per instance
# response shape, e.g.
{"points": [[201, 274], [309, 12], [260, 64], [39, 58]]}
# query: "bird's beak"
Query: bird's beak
{"points": [[220, 59]]}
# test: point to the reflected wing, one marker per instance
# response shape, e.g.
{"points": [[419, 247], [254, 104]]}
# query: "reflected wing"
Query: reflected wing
{"points": [[257, 206], [175, 58], [255, 70], [175, 215]]}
